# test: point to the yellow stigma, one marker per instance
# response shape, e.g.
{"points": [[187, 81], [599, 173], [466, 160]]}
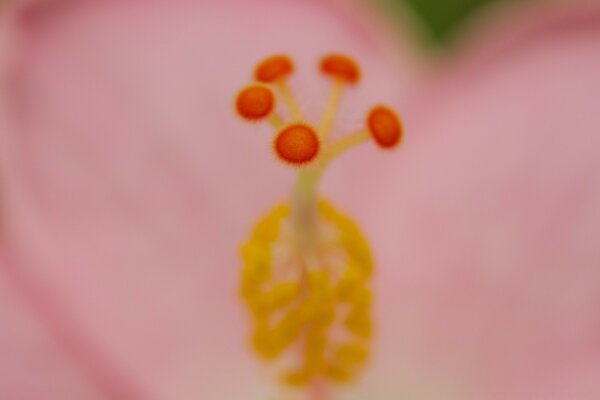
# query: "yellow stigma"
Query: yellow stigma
{"points": [[306, 266]]}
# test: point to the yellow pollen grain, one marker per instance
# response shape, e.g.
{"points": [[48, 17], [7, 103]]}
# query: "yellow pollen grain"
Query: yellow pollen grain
{"points": [[300, 313]]}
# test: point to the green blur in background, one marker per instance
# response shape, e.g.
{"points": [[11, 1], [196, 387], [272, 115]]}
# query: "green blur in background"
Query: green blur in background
{"points": [[441, 18]]}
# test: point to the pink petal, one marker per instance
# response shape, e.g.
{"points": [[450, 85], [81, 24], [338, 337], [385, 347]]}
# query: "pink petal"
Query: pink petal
{"points": [[34, 365], [128, 183], [489, 230]]}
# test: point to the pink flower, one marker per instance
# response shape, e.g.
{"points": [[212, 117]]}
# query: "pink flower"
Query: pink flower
{"points": [[128, 184]]}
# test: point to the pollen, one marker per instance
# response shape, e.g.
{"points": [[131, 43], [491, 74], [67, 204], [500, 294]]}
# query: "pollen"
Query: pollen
{"points": [[385, 126], [297, 144], [321, 314], [274, 68], [255, 102], [342, 67]]}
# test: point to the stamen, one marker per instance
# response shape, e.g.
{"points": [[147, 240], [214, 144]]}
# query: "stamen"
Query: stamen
{"points": [[385, 126], [315, 307], [297, 144]]}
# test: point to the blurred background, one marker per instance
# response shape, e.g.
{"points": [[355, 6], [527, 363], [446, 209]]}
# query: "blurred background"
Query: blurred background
{"points": [[128, 185], [440, 19]]}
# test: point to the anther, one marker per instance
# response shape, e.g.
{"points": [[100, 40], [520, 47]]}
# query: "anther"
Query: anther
{"points": [[341, 67], [255, 102], [385, 126], [297, 144], [273, 68]]}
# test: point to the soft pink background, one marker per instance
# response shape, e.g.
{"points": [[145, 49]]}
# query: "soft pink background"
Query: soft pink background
{"points": [[128, 183]]}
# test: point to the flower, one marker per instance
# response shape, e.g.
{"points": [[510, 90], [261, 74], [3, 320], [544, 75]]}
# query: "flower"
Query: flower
{"points": [[127, 187]]}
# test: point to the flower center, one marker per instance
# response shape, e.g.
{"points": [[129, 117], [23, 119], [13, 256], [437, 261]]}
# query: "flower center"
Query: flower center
{"points": [[310, 305], [306, 265]]}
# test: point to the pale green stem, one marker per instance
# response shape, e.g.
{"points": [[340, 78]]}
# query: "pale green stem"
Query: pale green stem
{"points": [[331, 108], [304, 196], [304, 204]]}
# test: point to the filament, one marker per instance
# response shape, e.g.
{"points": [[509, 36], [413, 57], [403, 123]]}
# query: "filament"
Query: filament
{"points": [[331, 108], [289, 99], [276, 121]]}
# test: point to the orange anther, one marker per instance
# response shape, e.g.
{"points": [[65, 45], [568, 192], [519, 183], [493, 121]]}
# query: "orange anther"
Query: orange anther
{"points": [[255, 102], [340, 66], [385, 126], [297, 144], [273, 68]]}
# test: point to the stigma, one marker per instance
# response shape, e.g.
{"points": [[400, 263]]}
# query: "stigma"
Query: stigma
{"points": [[306, 265], [297, 141]]}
